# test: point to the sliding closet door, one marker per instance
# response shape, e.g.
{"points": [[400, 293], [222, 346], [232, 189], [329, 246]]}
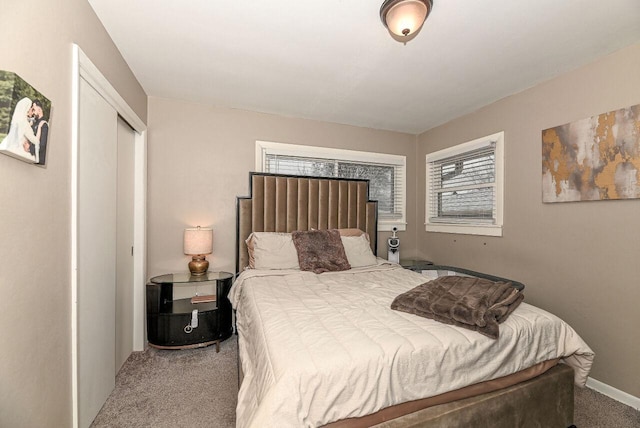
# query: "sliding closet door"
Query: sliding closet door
{"points": [[97, 166], [124, 244]]}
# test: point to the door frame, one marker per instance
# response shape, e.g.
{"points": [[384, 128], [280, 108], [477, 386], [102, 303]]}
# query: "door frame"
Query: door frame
{"points": [[83, 67]]}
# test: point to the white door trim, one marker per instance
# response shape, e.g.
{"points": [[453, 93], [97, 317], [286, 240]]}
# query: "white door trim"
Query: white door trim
{"points": [[83, 67]]}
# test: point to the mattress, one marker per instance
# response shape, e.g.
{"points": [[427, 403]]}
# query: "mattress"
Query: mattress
{"points": [[321, 348]]}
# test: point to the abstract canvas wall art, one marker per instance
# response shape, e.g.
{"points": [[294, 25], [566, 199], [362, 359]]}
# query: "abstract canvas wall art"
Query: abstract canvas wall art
{"points": [[593, 159], [24, 120]]}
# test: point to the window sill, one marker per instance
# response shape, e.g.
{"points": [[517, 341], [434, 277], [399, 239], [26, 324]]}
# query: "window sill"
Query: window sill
{"points": [[486, 230], [388, 226]]}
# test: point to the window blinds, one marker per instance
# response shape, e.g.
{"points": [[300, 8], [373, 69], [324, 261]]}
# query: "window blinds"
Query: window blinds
{"points": [[462, 187], [386, 180]]}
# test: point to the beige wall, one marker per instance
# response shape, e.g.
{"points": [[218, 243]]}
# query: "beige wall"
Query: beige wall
{"points": [[199, 158], [580, 260], [35, 312]]}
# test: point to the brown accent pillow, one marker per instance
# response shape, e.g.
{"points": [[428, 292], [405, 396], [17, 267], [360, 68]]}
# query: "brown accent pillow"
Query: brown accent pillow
{"points": [[320, 250]]}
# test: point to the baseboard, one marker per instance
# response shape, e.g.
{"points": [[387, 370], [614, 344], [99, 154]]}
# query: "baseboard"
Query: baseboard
{"points": [[614, 393]]}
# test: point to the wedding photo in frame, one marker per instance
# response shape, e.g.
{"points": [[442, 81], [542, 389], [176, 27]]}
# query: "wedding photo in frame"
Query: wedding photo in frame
{"points": [[24, 120]]}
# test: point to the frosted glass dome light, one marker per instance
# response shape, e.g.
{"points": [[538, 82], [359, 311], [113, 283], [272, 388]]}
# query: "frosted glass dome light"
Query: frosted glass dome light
{"points": [[404, 17]]}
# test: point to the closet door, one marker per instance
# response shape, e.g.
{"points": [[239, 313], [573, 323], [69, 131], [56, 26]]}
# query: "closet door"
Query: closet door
{"points": [[97, 166], [124, 244]]}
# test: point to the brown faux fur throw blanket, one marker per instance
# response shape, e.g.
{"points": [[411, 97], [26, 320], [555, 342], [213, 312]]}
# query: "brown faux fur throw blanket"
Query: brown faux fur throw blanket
{"points": [[474, 303]]}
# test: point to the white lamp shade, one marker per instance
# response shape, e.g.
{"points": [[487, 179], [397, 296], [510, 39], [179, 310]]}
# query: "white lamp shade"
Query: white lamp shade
{"points": [[406, 17], [198, 240]]}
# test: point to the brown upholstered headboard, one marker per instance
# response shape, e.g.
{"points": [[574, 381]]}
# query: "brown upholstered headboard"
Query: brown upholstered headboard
{"points": [[284, 203]]}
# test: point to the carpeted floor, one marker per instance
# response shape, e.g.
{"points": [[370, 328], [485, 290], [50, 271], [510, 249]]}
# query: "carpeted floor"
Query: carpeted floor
{"points": [[187, 388], [594, 410], [198, 388]]}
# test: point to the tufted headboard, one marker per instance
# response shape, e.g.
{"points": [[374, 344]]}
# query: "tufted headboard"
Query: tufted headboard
{"points": [[284, 203]]}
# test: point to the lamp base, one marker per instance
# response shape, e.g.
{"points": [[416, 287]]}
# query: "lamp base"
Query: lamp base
{"points": [[198, 265]]}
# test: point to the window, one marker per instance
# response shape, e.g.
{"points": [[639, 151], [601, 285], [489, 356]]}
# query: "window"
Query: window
{"points": [[465, 187], [386, 173]]}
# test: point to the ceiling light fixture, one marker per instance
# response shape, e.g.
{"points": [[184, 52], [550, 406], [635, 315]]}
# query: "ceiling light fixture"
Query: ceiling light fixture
{"points": [[404, 18]]}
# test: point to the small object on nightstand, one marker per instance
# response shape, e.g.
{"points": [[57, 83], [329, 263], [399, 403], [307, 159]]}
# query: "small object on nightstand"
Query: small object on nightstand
{"points": [[394, 247], [203, 299]]}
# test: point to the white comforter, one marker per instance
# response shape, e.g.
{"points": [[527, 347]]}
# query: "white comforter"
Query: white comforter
{"points": [[319, 348]]}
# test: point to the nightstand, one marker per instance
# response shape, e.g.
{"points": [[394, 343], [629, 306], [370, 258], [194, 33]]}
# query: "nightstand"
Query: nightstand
{"points": [[416, 265], [169, 321]]}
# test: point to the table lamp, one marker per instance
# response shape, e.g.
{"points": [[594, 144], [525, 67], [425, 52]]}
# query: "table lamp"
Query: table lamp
{"points": [[198, 242]]}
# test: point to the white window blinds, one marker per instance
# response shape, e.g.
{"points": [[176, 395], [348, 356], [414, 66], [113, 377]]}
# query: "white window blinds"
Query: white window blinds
{"points": [[386, 173], [464, 185], [384, 179]]}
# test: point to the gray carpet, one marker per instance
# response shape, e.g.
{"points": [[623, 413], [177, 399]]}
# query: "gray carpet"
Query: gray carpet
{"points": [[198, 388], [187, 388], [594, 410]]}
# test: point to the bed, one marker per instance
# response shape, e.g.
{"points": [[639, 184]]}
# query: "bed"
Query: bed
{"points": [[327, 350]]}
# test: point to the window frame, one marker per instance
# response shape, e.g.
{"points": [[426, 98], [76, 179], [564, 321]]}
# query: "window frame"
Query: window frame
{"points": [[472, 226], [285, 149]]}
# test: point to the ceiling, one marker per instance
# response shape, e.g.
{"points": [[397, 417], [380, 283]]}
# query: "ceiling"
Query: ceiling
{"points": [[333, 60]]}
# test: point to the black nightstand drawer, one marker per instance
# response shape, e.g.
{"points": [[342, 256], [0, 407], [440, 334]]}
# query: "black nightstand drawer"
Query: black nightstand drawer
{"points": [[166, 329]]}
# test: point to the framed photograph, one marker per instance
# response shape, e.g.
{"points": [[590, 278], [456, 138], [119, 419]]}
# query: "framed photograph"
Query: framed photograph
{"points": [[24, 120]]}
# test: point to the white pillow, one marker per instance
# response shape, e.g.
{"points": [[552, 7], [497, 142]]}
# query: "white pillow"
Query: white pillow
{"points": [[358, 251], [272, 250]]}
